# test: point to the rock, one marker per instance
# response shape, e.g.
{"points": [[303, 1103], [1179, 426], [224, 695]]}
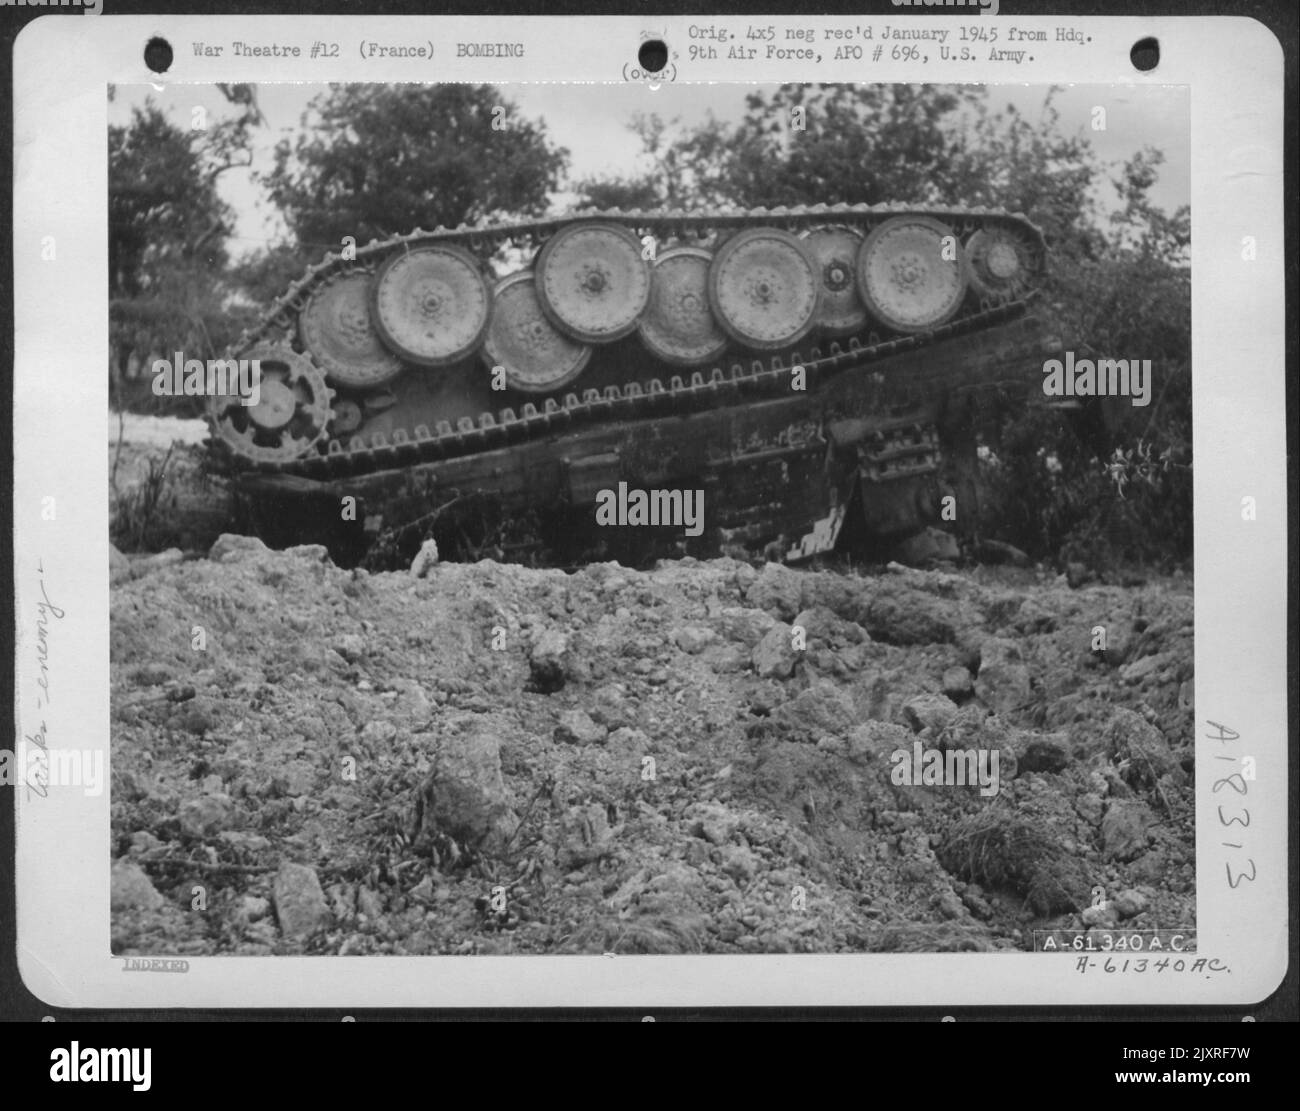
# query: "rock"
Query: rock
{"points": [[821, 709], [369, 903], [308, 553], [929, 546], [426, 559], [1118, 645], [1100, 916], [351, 646], [295, 779], [957, 683], [778, 590], [587, 836], [299, 901], [207, 815], [1124, 829], [1003, 682], [929, 711], [738, 862], [1048, 753], [693, 639], [1130, 903], [465, 795], [151, 674], [378, 732], [142, 841], [609, 707], [773, 656], [230, 548], [713, 822], [549, 662], [576, 727], [975, 902], [195, 719], [948, 903], [130, 888], [822, 624], [119, 567], [748, 626], [1031, 618], [253, 907], [1146, 667], [1089, 806], [1140, 749], [727, 659], [907, 616], [876, 740], [627, 744]]}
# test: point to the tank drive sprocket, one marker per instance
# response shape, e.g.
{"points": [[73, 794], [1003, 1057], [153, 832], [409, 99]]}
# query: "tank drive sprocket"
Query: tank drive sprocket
{"points": [[292, 411]]}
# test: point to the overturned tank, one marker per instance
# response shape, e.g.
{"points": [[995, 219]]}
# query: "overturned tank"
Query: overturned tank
{"points": [[795, 371]]}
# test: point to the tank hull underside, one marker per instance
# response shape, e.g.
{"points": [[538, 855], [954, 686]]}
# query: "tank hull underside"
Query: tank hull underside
{"points": [[793, 471]]}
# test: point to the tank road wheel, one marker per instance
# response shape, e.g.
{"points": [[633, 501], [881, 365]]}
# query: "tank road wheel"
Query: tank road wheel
{"points": [[432, 305], [336, 327], [291, 414], [677, 324], [835, 250], [592, 281], [905, 280], [536, 356], [765, 289], [1001, 264]]}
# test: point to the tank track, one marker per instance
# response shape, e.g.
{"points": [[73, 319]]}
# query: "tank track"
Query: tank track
{"points": [[722, 383]]}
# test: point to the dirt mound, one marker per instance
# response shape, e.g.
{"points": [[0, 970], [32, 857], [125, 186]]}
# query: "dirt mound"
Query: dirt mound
{"points": [[698, 758]]}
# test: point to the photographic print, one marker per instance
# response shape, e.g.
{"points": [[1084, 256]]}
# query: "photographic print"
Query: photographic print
{"points": [[756, 522]]}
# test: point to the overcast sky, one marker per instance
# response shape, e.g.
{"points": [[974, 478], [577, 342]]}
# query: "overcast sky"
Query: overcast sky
{"points": [[592, 122]]}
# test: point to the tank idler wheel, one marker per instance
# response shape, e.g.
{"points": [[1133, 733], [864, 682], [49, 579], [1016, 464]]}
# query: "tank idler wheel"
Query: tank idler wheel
{"points": [[1001, 264]]}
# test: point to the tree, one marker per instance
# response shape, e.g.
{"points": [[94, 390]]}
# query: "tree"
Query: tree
{"points": [[833, 144], [373, 161], [168, 228]]}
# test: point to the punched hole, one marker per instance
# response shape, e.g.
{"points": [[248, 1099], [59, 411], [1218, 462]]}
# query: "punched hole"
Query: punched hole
{"points": [[653, 55], [1145, 54], [158, 55]]}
